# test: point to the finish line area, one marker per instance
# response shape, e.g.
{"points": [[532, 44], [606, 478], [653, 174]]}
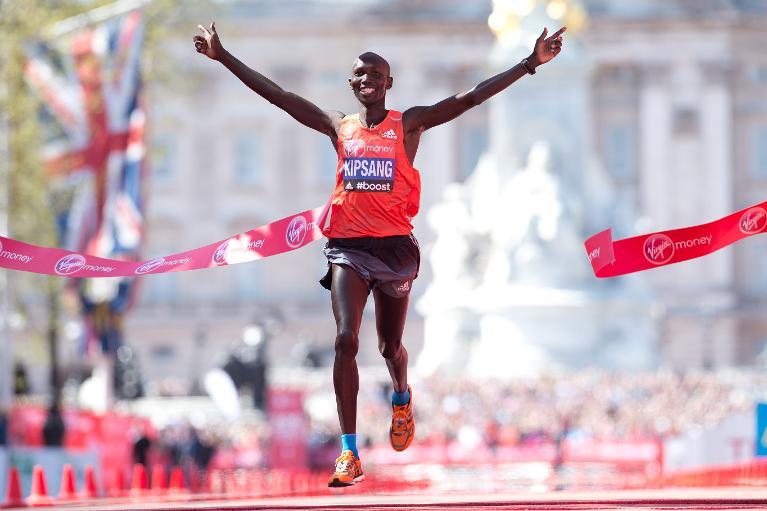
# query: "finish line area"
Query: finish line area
{"points": [[666, 499], [496, 487]]}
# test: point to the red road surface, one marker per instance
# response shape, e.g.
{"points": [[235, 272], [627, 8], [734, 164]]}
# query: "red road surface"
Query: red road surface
{"points": [[673, 499]]}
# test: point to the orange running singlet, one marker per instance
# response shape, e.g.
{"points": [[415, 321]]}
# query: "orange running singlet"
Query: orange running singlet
{"points": [[377, 190]]}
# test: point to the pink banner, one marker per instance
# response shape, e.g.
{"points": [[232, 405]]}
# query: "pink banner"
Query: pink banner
{"points": [[287, 418], [614, 451], [610, 258], [281, 236]]}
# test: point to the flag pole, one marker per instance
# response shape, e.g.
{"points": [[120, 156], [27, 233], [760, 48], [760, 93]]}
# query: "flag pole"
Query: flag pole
{"points": [[6, 348], [92, 17]]}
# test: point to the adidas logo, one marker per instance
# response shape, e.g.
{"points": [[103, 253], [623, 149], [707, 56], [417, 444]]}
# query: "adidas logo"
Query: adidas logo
{"points": [[389, 134], [349, 186]]}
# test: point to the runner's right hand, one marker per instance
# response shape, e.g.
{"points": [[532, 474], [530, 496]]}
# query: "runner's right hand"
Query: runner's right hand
{"points": [[208, 43]]}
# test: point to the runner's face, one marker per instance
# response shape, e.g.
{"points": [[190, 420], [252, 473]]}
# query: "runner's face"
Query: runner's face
{"points": [[370, 80]]}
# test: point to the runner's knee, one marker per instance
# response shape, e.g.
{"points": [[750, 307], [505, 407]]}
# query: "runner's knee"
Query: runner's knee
{"points": [[347, 343], [391, 349]]}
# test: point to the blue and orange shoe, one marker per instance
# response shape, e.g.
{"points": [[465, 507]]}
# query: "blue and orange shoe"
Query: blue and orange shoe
{"points": [[402, 429], [348, 471]]}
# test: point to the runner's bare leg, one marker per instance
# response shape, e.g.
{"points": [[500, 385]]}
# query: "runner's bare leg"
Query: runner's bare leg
{"points": [[348, 295], [391, 314]]}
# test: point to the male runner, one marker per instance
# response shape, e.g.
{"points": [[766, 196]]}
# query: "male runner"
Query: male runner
{"points": [[370, 246]]}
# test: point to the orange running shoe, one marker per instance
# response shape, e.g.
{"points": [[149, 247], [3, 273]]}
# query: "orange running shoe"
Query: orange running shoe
{"points": [[348, 471], [402, 428]]}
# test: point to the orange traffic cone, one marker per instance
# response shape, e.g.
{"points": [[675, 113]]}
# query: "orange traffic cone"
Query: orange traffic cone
{"points": [[13, 496], [118, 484], [159, 481], [139, 483], [39, 496], [68, 486], [90, 489], [195, 483], [177, 480], [213, 482]]}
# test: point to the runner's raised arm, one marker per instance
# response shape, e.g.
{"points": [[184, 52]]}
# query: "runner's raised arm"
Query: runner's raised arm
{"points": [[421, 118], [302, 110]]}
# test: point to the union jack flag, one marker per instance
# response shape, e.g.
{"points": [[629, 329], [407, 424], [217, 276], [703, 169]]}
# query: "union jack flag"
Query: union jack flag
{"points": [[94, 124]]}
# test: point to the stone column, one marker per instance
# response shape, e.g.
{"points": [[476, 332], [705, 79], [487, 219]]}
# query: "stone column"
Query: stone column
{"points": [[654, 145], [716, 125]]}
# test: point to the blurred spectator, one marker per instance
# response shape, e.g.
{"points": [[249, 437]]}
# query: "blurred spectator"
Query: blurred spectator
{"points": [[172, 444], [202, 449], [20, 379], [54, 428], [141, 447], [3, 427]]}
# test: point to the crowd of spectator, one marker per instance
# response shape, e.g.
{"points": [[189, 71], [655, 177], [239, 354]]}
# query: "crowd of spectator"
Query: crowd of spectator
{"points": [[178, 444], [515, 412], [593, 404]]}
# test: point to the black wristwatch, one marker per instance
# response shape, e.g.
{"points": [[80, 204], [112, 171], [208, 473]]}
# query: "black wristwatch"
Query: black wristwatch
{"points": [[526, 64]]}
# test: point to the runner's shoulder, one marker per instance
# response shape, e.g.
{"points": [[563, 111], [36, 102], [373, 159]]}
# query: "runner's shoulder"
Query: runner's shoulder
{"points": [[336, 117], [410, 118]]}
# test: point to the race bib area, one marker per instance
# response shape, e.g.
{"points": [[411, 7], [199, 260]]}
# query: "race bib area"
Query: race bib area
{"points": [[368, 174]]}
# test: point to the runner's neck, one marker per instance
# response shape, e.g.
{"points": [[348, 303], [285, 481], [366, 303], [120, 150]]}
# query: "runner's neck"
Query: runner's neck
{"points": [[371, 120]]}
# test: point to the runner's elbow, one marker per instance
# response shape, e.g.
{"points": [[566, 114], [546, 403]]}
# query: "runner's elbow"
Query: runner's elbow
{"points": [[474, 100]]}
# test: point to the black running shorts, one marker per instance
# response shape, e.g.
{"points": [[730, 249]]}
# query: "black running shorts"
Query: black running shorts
{"points": [[390, 263]]}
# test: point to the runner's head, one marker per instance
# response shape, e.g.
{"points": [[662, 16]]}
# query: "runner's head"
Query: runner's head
{"points": [[370, 78]]}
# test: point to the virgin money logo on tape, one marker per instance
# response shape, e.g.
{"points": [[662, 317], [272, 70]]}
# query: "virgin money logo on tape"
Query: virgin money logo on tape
{"points": [[150, 266], [14, 256], [219, 256], [658, 249], [354, 148], [296, 232], [69, 264], [72, 263], [753, 220], [160, 262], [237, 250]]}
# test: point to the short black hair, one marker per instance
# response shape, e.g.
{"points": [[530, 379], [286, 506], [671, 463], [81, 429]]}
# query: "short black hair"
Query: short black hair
{"points": [[369, 55]]}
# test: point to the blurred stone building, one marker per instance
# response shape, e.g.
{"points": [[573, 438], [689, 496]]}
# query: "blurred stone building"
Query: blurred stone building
{"points": [[680, 122], [677, 117]]}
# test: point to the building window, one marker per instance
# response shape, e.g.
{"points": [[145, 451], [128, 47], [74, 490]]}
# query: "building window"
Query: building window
{"points": [[758, 152], [247, 159], [248, 281], [758, 74], [473, 144], [162, 288], [755, 285], [163, 157], [619, 151], [328, 163], [162, 351]]}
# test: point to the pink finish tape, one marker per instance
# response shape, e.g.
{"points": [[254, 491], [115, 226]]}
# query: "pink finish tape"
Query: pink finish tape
{"points": [[610, 258], [275, 238]]}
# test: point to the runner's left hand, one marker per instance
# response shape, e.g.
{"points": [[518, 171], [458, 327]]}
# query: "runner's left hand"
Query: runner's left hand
{"points": [[546, 48]]}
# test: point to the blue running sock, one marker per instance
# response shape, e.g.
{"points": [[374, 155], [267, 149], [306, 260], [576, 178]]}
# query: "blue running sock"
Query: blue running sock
{"points": [[400, 398], [349, 443]]}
